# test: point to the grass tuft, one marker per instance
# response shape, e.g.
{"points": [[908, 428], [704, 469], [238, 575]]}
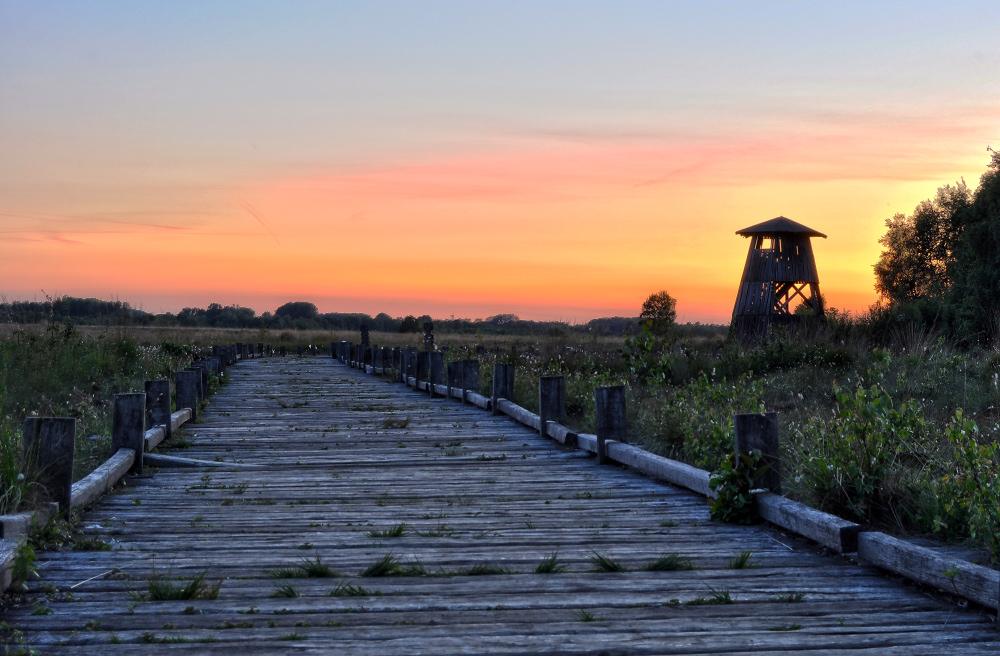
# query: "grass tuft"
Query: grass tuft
{"points": [[486, 569], [551, 565], [387, 565], [286, 591], [670, 563], [164, 587], [790, 598], [397, 531], [348, 590], [743, 561], [604, 564], [316, 569], [718, 597]]}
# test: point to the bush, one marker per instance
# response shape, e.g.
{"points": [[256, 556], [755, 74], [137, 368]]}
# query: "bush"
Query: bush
{"points": [[855, 463]]}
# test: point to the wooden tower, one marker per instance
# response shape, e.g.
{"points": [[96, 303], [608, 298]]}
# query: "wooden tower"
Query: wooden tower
{"points": [[780, 268]]}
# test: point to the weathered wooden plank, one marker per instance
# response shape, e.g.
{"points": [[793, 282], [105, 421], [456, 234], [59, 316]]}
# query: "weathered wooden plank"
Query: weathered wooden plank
{"points": [[154, 436], [830, 531], [478, 400], [964, 579], [179, 418], [518, 413], [661, 468], [92, 487]]}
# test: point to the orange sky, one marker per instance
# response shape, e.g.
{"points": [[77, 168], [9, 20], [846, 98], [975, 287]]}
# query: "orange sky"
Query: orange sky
{"points": [[546, 215]]}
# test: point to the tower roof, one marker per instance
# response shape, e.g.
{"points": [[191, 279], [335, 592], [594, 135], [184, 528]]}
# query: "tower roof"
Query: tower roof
{"points": [[779, 224]]}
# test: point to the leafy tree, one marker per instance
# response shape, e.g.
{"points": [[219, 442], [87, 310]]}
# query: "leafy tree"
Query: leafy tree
{"points": [[660, 310], [974, 299], [919, 248], [297, 310], [409, 324]]}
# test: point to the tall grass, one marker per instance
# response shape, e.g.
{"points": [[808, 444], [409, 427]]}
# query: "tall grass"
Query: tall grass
{"points": [[58, 372]]}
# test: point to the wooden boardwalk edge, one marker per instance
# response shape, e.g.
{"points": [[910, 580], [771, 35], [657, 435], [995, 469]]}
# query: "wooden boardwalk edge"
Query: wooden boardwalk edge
{"points": [[919, 564]]}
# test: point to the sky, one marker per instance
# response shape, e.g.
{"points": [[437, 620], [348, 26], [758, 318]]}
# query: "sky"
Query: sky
{"points": [[554, 160]]}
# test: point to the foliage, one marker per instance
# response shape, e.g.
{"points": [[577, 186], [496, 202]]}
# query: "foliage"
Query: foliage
{"points": [[297, 310], [855, 462], [947, 254], [732, 484], [61, 373], [920, 247], [970, 495], [704, 412], [647, 360], [659, 312]]}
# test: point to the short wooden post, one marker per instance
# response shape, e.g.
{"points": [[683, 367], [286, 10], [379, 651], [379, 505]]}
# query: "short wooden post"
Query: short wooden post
{"points": [[609, 414], [503, 384], [451, 376], [239, 349], [298, 350], [202, 370], [551, 401], [186, 388], [128, 427], [260, 349], [158, 405], [436, 372], [758, 433], [282, 351], [49, 443], [423, 366], [470, 378], [197, 383]]}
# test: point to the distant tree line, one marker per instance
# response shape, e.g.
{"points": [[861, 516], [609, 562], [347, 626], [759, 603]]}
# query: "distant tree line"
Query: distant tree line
{"points": [[303, 316]]}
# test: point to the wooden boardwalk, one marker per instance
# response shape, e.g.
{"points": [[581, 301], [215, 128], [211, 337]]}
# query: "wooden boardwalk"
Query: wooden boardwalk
{"points": [[330, 455]]}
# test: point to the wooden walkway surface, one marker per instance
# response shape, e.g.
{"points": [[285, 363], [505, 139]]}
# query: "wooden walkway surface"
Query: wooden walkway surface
{"points": [[331, 455]]}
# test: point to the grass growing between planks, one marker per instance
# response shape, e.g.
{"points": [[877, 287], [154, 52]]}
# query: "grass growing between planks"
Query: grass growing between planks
{"points": [[669, 563], [744, 560], [551, 565], [604, 564], [397, 531], [164, 587]]}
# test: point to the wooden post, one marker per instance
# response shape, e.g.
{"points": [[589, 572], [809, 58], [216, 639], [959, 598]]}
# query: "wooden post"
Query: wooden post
{"points": [[260, 349], [423, 366], [197, 382], [470, 378], [239, 349], [758, 433], [298, 350], [551, 401], [609, 411], [281, 351], [49, 443], [503, 384], [436, 371], [202, 371], [128, 427], [452, 376], [186, 386], [158, 405]]}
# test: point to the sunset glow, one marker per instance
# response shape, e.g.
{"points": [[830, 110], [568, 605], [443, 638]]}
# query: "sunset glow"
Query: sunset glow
{"points": [[469, 160]]}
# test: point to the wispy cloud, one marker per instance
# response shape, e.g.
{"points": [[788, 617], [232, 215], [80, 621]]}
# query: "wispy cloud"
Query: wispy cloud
{"points": [[252, 211]]}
